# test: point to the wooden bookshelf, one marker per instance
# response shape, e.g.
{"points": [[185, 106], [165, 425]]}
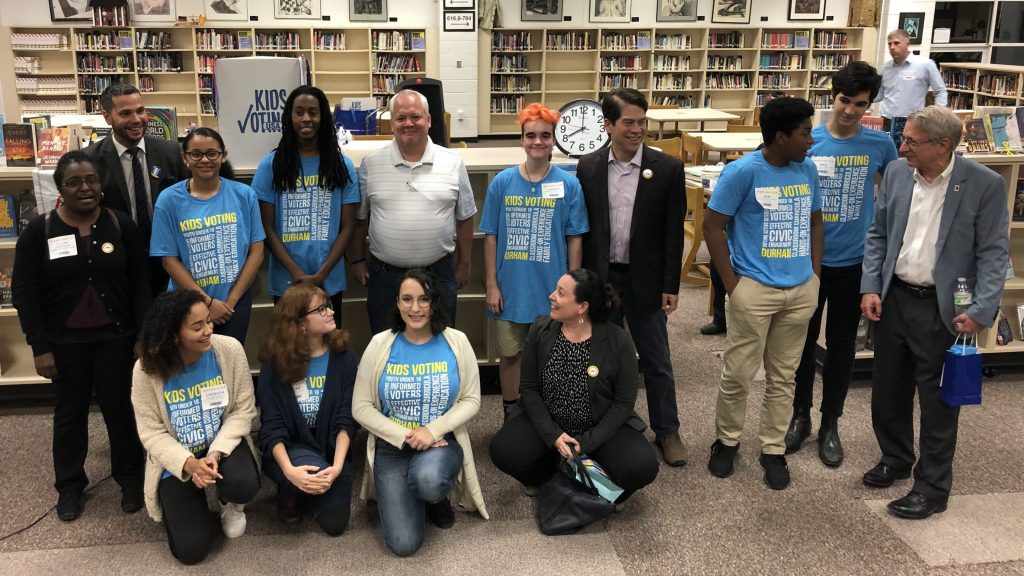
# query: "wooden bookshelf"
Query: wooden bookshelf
{"points": [[971, 85]]}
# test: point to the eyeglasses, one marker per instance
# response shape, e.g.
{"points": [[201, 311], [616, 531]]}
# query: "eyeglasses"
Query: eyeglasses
{"points": [[407, 301], [89, 181], [196, 155], [321, 309], [913, 144]]}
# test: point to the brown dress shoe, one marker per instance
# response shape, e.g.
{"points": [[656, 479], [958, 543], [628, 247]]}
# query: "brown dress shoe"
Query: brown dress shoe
{"points": [[672, 449]]}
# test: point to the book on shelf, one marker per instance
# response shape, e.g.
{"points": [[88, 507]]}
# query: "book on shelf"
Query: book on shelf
{"points": [[1003, 333], [38, 121], [51, 144], [1018, 202], [996, 127], [8, 217], [99, 133], [872, 122], [1020, 319], [896, 130], [419, 41], [3, 157], [6, 293], [163, 122], [244, 40], [977, 136], [19, 145]]}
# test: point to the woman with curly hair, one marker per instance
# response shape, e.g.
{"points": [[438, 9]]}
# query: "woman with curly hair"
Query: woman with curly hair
{"points": [[308, 194], [193, 399], [305, 397]]}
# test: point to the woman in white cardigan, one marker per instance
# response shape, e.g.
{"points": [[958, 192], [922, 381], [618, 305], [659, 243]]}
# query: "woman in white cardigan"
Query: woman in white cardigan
{"points": [[193, 397], [417, 386]]}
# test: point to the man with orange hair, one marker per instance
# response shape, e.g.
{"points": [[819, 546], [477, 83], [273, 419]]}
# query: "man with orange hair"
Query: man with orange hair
{"points": [[534, 216]]}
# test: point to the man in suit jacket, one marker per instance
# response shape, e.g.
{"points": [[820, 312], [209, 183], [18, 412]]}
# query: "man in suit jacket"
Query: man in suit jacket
{"points": [[636, 202], [938, 217], [129, 151]]}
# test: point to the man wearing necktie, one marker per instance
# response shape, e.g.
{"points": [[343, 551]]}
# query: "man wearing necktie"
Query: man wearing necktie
{"points": [[134, 167]]}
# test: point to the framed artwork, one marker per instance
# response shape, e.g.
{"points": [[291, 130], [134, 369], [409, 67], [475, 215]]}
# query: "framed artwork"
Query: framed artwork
{"points": [[807, 10], [151, 10], [542, 10], [609, 10], [70, 11], [730, 12], [368, 10], [677, 10], [913, 24], [228, 10], [309, 9], [459, 4]]}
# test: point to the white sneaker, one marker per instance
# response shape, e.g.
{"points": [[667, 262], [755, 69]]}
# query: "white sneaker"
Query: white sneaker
{"points": [[232, 520]]}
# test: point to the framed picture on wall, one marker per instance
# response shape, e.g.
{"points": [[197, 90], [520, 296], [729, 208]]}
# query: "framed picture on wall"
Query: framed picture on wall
{"points": [[151, 10], [226, 10], [297, 9], [70, 11], [368, 10], [459, 4], [730, 12], [542, 10], [677, 10], [609, 10], [807, 10], [913, 24]]}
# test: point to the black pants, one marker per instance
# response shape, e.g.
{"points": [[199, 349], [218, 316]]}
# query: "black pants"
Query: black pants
{"points": [[518, 450], [187, 519], [105, 368], [840, 287], [910, 344], [718, 304], [332, 509]]}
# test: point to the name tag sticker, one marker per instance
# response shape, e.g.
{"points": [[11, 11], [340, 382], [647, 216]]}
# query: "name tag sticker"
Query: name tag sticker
{"points": [[552, 190], [62, 246], [301, 392], [826, 166], [767, 197], [908, 76], [214, 397]]}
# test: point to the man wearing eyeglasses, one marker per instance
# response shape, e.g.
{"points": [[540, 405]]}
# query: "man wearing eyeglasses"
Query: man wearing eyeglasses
{"points": [[938, 217], [133, 166]]}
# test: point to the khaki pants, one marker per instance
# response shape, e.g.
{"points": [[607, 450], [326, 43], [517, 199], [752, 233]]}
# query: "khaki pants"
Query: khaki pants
{"points": [[770, 325]]}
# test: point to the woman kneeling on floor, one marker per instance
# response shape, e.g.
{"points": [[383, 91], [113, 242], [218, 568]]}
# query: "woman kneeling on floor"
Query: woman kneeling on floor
{"points": [[305, 397], [194, 407], [418, 385], [578, 386]]}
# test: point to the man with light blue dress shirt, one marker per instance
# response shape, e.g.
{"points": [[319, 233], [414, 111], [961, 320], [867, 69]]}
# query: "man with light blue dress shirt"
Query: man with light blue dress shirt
{"points": [[906, 80]]}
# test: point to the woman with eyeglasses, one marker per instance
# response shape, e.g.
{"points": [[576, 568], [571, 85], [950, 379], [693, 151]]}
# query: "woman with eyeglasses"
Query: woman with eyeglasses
{"points": [[308, 194], [207, 230], [417, 387], [82, 293], [305, 398]]}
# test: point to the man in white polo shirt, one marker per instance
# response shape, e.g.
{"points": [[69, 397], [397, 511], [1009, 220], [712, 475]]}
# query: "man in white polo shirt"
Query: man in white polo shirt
{"points": [[417, 209]]}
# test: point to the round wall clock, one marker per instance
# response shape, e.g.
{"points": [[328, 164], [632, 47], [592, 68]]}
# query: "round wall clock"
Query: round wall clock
{"points": [[580, 129]]}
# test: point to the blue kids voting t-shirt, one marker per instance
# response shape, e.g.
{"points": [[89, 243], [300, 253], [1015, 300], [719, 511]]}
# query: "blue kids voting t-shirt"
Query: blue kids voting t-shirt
{"points": [[530, 227], [196, 415], [210, 236], [307, 220], [846, 170], [419, 383], [771, 207], [310, 391]]}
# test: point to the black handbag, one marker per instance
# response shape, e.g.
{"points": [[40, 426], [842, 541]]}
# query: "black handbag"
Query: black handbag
{"points": [[565, 505]]}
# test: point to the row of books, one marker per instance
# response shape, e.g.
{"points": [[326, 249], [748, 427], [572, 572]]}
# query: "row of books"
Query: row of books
{"points": [[509, 63], [28, 65], [621, 63], [104, 62], [796, 39], [104, 40], [44, 84], [774, 81], [40, 41], [329, 40], [680, 101], [507, 104], [958, 79], [398, 40], [725, 62], [831, 40], [674, 82], [214, 40], [278, 41], [96, 84], [997, 129], [998, 85], [781, 61], [511, 41], [726, 40], [613, 81], [153, 40], [568, 41], [510, 84], [831, 61], [673, 42], [727, 81], [159, 62], [668, 63], [636, 41], [397, 63]]}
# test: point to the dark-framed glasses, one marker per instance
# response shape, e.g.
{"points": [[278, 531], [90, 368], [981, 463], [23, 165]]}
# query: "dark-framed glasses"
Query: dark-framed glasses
{"points": [[196, 155], [321, 309], [76, 182]]}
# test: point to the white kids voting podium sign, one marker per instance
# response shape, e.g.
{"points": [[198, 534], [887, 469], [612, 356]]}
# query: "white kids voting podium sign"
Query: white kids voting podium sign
{"points": [[251, 93]]}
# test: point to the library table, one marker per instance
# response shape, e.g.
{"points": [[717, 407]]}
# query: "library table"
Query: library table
{"points": [[723, 142], [676, 115]]}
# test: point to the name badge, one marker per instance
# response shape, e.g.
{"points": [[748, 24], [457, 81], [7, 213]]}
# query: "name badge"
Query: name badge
{"points": [[826, 166], [301, 392], [62, 246], [552, 190], [767, 197], [908, 76], [214, 397]]}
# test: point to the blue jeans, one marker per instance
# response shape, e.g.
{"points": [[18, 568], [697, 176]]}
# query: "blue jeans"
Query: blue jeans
{"points": [[406, 480], [382, 290]]}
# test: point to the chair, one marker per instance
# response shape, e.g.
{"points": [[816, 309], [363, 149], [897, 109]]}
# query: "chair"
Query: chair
{"points": [[671, 146], [742, 128], [434, 92], [693, 147], [694, 272]]}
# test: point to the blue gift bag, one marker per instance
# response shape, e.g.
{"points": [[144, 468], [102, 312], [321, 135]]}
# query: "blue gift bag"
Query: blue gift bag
{"points": [[961, 374], [359, 122]]}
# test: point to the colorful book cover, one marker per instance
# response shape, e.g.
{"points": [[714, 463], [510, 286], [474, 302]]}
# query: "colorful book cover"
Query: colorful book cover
{"points": [[872, 122], [38, 121], [977, 136], [163, 122], [1013, 123], [1018, 202], [8, 217], [19, 146], [3, 157], [896, 130], [51, 144], [99, 133], [995, 125], [244, 40], [419, 41]]}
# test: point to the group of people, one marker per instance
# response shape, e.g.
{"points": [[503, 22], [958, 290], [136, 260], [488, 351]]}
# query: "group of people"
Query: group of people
{"points": [[569, 258]]}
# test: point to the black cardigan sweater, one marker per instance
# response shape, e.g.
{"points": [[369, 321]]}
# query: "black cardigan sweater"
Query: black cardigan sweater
{"points": [[612, 391], [47, 291], [282, 421]]}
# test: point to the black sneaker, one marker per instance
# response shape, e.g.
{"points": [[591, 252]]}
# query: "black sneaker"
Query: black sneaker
{"points": [[441, 514], [776, 472], [722, 456], [69, 505]]}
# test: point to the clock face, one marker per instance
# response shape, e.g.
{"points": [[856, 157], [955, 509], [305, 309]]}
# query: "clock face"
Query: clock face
{"points": [[580, 129]]}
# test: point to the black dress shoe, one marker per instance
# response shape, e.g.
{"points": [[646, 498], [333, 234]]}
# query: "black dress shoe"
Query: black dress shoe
{"points": [[830, 448], [712, 328], [883, 475], [799, 430], [131, 499], [441, 514], [916, 507], [69, 505]]}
